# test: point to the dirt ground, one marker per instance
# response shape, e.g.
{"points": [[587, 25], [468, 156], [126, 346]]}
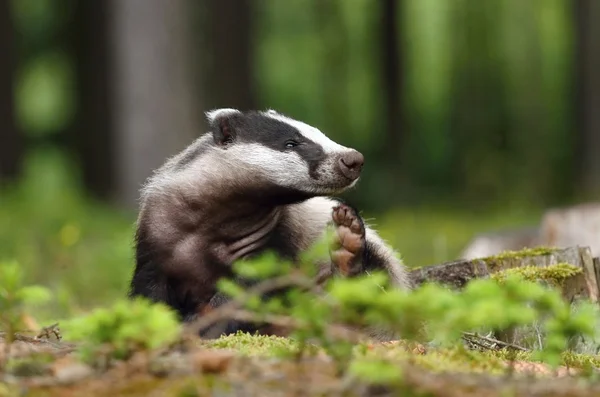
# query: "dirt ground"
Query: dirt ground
{"points": [[51, 368]]}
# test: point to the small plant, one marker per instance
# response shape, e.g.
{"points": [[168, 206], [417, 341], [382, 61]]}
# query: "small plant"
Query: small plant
{"points": [[429, 314], [126, 327], [15, 298]]}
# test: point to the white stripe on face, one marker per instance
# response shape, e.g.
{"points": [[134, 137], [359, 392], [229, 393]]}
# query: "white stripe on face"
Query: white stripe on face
{"points": [[282, 168], [309, 132]]}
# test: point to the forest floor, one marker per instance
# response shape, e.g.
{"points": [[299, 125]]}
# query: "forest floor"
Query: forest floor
{"points": [[244, 365]]}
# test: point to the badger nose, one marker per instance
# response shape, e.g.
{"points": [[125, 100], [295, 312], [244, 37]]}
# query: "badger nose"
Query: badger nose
{"points": [[351, 164]]}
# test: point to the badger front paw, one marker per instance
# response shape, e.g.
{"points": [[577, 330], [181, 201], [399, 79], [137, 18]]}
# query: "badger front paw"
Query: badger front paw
{"points": [[349, 242]]}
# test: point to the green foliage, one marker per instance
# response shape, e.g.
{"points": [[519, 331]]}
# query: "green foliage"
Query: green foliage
{"points": [[64, 241], [125, 327], [16, 298], [341, 90], [430, 313], [266, 266], [13, 293]]}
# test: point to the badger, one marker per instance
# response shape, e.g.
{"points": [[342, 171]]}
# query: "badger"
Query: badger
{"points": [[256, 181]]}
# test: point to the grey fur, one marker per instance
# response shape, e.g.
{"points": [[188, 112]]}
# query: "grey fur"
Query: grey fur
{"points": [[210, 205]]}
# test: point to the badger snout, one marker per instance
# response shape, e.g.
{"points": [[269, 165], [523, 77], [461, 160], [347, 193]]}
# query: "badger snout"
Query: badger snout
{"points": [[350, 164]]}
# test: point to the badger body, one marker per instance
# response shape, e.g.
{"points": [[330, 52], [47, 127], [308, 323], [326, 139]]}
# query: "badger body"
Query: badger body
{"points": [[256, 181]]}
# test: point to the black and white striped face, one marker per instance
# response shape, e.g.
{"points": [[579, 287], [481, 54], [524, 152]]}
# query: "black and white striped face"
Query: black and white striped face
{"points": [[284, 151]]}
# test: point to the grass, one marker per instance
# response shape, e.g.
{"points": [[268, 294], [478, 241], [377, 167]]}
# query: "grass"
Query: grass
{"points": [[426, 236], [82, 250]]}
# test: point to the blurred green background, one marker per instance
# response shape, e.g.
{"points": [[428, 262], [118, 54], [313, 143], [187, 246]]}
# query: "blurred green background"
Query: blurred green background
{"points": [[472, 115]]}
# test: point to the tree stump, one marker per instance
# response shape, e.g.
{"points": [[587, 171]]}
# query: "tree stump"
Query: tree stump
{"points": [[457, 273], [582, 286]]}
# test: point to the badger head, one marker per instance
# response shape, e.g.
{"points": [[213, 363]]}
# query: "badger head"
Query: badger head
{"points": [[284, 152]]}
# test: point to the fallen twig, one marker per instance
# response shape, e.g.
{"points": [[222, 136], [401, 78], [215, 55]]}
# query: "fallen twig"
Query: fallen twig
{"points": [[41, 338], [473, 338], [225, 311], [46, 332], [233, 310]]}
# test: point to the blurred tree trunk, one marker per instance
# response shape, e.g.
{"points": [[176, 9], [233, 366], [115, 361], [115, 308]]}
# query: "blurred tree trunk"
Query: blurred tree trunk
{"points": [[393, 162], [530, 174], [156, 109], [479, 115], [392, 72], [91, 135], [229, 73], [587, 86], [333, 64], [11, 140]]}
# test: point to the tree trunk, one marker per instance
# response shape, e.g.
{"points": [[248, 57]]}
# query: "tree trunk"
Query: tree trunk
{"points": [[478, 108], [11, 141], [587, 87], [393, 163], [229, 75], [91, 135], [334, 61], [392, 73], [156, 109]]}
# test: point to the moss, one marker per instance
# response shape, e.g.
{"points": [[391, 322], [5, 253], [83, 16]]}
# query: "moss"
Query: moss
{"points": [[451, 359], [568, 359], [526, 252], [249, 344], [459, 359], [492, 261], [553, 274], [582, 361], [509, 354]]}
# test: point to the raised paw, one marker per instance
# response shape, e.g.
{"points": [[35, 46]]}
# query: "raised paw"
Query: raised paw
{"points": [[349, 242]]}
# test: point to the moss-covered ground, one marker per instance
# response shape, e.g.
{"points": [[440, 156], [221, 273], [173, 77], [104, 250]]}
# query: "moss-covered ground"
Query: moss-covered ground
{"points": [[247, 365]]}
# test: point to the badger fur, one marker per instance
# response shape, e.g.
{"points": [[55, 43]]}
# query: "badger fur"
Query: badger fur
{"points": [[255, 181]]}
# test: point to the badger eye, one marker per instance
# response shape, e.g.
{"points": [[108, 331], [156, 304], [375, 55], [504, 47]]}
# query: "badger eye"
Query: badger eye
{"points": [[291, 144]]}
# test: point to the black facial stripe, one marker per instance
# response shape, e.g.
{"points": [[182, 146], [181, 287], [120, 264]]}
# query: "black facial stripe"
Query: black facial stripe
{"points": [[254, 127], [313, 154]]}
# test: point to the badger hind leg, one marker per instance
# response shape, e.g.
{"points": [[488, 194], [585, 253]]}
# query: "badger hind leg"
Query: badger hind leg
{"points": [[349, 245]]}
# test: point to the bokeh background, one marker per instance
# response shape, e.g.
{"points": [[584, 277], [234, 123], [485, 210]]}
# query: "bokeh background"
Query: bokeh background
{"points": [[473, 115]]}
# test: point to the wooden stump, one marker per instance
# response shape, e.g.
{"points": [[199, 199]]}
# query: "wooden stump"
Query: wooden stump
{"points": [[457, 274]]}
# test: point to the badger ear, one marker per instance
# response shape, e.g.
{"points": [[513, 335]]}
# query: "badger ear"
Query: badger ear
{"points": [[220, 124]]}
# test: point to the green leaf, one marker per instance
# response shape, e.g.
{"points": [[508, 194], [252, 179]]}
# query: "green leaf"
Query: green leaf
{"points": [[34, 295]]}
